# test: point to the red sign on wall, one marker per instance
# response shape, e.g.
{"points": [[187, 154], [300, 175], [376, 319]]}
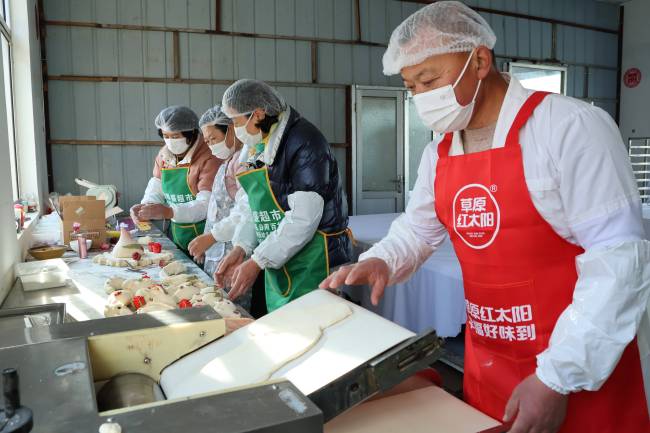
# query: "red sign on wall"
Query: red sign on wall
{"points": [[632, 77]]}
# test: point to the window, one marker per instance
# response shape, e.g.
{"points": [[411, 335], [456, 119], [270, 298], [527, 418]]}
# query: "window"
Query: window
{"points": [[5, 42], [639, 149], [540, 77]]}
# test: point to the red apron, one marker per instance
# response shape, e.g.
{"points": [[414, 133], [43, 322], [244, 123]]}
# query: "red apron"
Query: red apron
{"points": [[519, 275]]}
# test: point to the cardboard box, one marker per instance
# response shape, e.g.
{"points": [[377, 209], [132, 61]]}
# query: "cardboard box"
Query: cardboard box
{"points": [[87, 211]]}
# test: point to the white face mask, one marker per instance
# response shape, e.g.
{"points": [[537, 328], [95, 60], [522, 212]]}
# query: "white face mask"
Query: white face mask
{"points": [[246, 137], [177, 146], [221, 150], [439, 109]]}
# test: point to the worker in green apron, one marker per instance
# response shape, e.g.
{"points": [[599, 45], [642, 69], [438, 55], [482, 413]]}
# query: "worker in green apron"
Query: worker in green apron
{"points": [[293, 217], [182, 179]]}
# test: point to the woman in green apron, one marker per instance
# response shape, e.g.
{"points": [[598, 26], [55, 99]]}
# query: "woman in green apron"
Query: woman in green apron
{"points": [[293, 217], [182, 179]]}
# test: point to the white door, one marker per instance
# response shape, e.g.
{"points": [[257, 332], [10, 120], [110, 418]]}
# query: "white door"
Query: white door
{"points": [[378, 150]]}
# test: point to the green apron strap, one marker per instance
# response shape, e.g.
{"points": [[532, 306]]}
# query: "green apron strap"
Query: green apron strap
{"points": [[176, 189]]}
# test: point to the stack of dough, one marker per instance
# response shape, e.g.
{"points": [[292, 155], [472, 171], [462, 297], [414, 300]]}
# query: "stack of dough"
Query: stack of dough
{"points": [[129, 253], [144, 295], [125, 246]]}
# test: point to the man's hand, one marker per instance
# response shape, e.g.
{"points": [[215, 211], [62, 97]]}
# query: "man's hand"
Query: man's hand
{"points": [[243, 278], [155, 212], [373, 272], [135, 213], [200, 245], [228, 265], [535, 407]]}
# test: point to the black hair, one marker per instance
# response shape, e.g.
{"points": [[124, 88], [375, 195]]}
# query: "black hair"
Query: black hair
{"points": [[222, 128], [190, 136], [266, 123]]}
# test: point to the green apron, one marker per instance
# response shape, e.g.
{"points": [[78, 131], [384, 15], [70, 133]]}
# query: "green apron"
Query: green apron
{"points": [[176, 189], [304, 271]]}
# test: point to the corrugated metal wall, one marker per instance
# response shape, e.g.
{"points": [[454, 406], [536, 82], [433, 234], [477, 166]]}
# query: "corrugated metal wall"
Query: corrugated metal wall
{"points": [[135, 72]]}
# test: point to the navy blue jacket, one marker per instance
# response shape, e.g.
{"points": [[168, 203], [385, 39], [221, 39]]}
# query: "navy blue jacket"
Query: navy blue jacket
{"points": [[304, 162]]}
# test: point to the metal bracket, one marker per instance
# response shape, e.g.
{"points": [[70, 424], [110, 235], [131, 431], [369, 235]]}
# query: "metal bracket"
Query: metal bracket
{"points": [[380, 374]]}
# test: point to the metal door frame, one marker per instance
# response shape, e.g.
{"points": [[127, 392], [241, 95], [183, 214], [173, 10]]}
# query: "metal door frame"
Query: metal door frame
{"points": [[357, 142]]}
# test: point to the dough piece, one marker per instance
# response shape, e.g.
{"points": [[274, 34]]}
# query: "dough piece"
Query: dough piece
{"points": [[161, 298], [107, 259], [147, 259], [226, 308], [118, 304], [185, 291], [177, 280], [126, 246], [145, 241], [117, 310], [113, 284], [154, 306], [200, 284], [119, 297], [211, 298], [211, 289], [273, 341], [174, 268], [155, 294], [135, 284]]}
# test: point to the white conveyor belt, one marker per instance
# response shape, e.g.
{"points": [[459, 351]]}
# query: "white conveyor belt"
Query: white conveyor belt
{"points": [[342, 347]]}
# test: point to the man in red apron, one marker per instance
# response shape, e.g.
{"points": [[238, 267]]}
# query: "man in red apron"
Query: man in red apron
{"points": [[540, 204]]}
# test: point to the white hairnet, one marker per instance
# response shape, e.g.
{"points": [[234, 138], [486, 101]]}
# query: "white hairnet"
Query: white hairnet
{"points": [[214, 116], [245, 96], [439, 28], [177, 119]]}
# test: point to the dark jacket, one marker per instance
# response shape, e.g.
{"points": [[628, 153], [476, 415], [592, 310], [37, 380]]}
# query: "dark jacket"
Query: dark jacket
{"points": [[304, 162]]}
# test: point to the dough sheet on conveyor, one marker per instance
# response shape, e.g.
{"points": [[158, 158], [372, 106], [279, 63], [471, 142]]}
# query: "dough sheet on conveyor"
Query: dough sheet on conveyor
{"points": [[311, 341]]}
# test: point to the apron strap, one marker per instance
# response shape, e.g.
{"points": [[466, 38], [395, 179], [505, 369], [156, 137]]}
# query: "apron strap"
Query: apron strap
{"points": [[522, 117], [445, 145]]}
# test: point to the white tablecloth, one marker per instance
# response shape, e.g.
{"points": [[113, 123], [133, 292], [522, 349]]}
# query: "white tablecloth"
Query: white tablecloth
{"points": [[431, 298]]}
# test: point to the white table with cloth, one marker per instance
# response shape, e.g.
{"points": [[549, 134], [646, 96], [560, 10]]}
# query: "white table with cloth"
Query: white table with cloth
{"points": [[431, 298]]}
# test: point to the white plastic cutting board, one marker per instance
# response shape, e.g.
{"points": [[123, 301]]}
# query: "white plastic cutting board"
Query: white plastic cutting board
{"points": [[343, 347]]}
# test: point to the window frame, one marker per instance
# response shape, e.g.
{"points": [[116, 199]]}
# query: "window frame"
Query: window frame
{"points": [[545, 67], [5, 32]]}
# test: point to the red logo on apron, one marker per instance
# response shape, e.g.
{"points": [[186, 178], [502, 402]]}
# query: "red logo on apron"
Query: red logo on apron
{"points": [[476, 216]]}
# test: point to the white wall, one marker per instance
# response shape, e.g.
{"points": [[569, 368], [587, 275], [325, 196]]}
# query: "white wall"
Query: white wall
{"points": [[635, 102]]}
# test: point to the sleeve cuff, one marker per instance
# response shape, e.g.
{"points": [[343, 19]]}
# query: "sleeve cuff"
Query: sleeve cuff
{"points": [[247, 248], [260, 261], [542, 377]]}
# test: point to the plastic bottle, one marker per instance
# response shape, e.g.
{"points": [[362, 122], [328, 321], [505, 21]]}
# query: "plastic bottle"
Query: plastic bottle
{"points": [[81, 240]]}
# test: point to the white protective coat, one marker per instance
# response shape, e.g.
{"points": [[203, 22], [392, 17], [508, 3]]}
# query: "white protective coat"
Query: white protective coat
{"points": [[579, 178], [190, 212]]}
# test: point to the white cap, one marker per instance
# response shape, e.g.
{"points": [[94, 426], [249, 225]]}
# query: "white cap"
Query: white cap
{"points": [[439, 28]]}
